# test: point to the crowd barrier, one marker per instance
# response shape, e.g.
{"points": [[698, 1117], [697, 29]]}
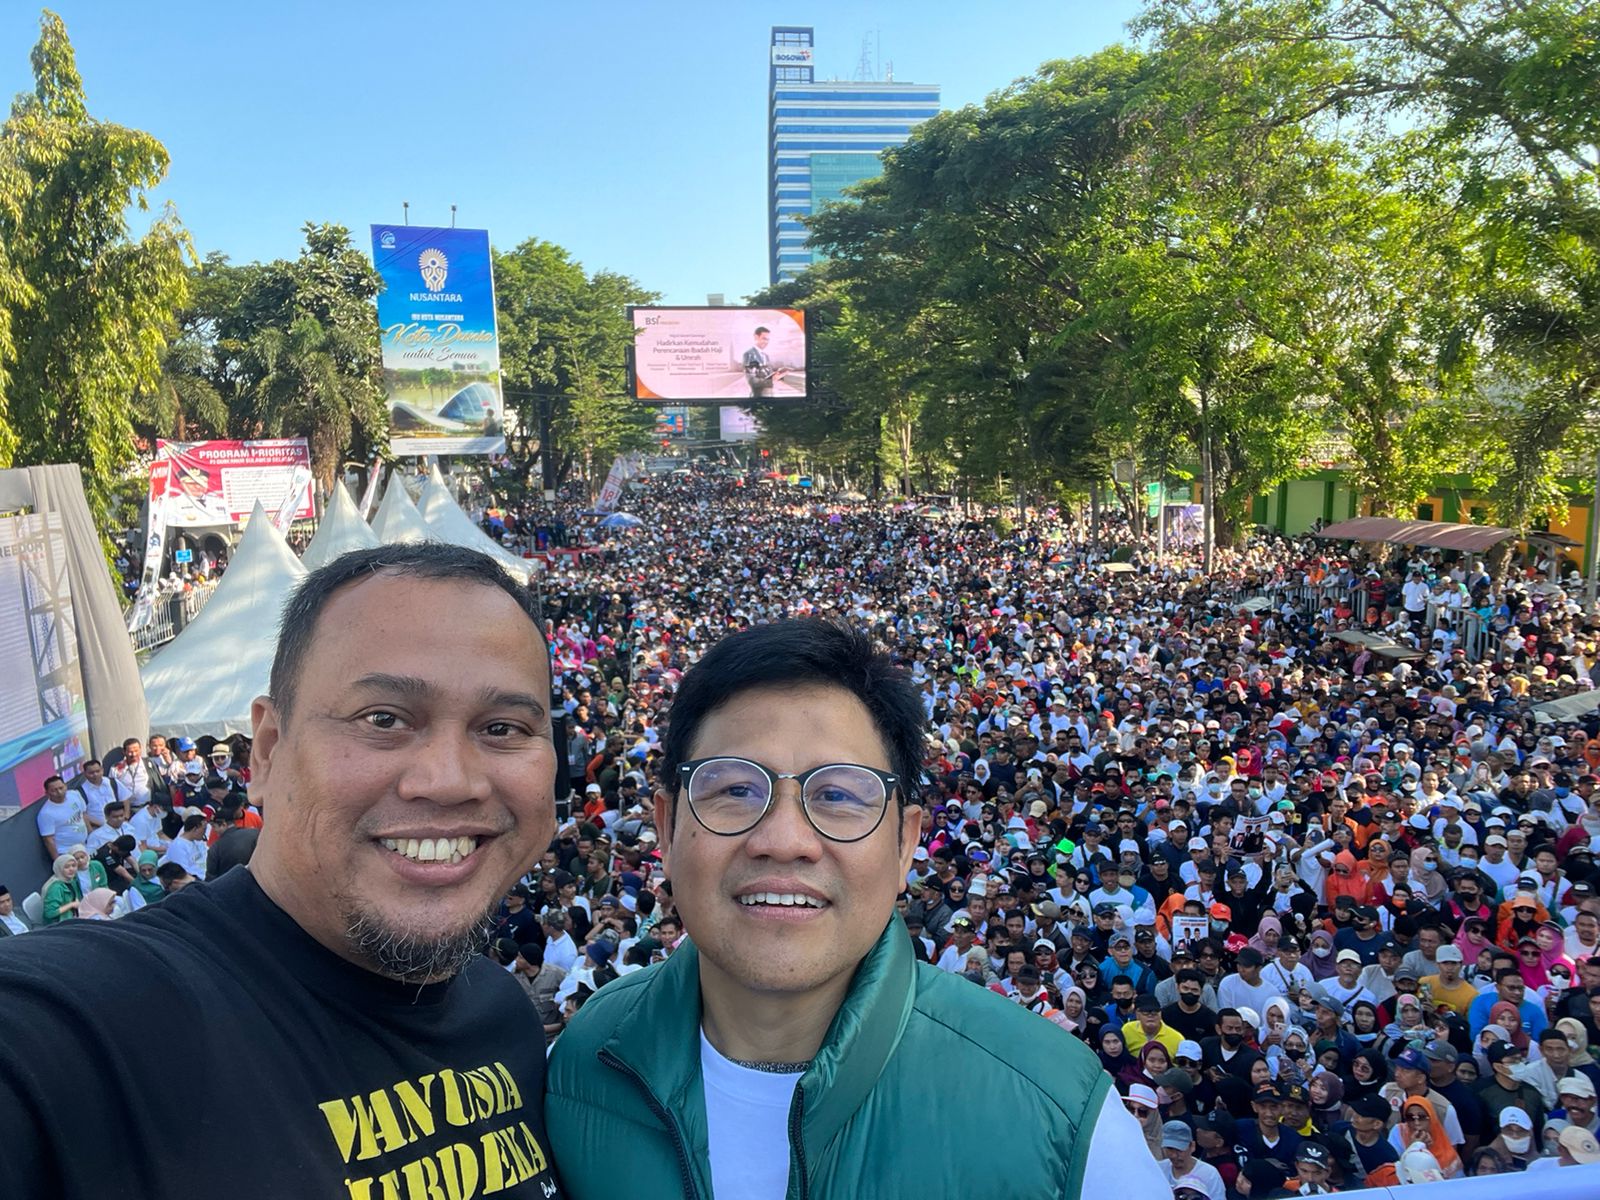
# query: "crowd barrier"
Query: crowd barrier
{"points": [[1556, 1183], [1474, 635], [170, 617]]}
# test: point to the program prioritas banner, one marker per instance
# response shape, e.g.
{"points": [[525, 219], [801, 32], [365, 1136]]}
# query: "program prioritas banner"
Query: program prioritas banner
{"points": [[441, 348], [218, 482]]}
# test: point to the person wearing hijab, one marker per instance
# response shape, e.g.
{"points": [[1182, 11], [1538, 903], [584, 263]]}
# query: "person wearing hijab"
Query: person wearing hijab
{"points": [[1509, 1017], [1347, 879], [1426, 881], [1320, 960], [63, 894], [92, 871], [1473, 939], [1367, 1025], [1419, 1123], [1369, 1071], [1530, 962], [1269, 931], [97, 904], [1115, 1059], [1326, 1091], [145, 882], [1578, 1042], [1074, 1010]]}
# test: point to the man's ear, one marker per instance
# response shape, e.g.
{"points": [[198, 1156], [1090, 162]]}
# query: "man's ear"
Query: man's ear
{"points": [[266, 731], [665, 808], [910, 833]]}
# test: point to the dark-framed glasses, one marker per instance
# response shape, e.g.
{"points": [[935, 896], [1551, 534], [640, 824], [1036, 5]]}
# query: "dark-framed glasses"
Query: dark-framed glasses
{"points": [[844, 802]]}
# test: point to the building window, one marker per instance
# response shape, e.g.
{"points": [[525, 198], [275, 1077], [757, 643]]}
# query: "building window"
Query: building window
{"points": [[1424, 512]]}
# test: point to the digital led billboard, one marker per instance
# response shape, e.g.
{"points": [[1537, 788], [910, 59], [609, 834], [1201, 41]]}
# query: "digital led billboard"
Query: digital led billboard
{"points": [[751, 356]]}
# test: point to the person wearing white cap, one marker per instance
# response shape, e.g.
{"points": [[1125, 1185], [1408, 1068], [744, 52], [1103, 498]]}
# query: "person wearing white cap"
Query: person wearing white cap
{"points": [[1575, 1096], [1515, 1140]]}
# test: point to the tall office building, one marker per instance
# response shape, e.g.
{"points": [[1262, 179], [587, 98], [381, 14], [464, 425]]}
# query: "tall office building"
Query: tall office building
{"points": [[822, 137]]}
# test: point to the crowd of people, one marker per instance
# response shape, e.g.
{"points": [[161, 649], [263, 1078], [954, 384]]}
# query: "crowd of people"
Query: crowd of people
{"points": [[1328, 918]]}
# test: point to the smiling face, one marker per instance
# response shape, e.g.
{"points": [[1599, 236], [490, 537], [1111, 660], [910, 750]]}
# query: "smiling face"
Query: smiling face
{"points": [[790, 949], [413, 781]]}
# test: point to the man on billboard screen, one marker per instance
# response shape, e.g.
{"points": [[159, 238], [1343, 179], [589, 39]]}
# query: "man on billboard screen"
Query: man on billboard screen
{"points": [[759, 370]]}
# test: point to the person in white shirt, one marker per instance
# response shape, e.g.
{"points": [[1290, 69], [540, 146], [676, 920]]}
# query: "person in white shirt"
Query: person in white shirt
{"points": [[146, 826], [559, 948], [113, 827], [188, 849], [1247, 988], [10, 923], [61, 820], [1179, 1161], [132, 774], [97, 790]]}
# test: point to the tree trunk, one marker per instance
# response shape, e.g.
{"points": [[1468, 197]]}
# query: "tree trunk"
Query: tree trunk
{"points": [[1208, 543]]}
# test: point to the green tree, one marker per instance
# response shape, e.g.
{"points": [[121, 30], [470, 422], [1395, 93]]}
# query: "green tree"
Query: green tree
{"points": [[564, 338], [87, 308], [306, 350]]}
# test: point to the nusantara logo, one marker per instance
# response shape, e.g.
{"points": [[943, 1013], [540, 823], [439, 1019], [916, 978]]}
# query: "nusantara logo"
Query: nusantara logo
{"points": [[435, 267]]}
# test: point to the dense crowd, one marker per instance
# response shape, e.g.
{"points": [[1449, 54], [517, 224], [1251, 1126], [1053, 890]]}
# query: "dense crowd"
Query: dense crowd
{"points": [[1327, 915]]}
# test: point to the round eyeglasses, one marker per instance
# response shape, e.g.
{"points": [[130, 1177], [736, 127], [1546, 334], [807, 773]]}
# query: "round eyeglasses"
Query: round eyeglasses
{"points": [[844, 802]]}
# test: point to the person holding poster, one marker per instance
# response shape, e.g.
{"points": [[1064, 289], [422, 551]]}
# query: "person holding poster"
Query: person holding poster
{"points": [[758, 368]]}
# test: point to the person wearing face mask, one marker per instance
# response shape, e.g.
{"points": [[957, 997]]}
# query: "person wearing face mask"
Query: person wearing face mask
{"points": [[1319, 959], [1515, 1140]]}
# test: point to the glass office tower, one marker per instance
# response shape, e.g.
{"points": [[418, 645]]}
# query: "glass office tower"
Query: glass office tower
{"points": [[823, 137]]}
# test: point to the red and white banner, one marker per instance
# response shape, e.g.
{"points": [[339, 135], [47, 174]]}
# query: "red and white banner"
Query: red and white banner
{"points": [[623, 468], [219, 482]]}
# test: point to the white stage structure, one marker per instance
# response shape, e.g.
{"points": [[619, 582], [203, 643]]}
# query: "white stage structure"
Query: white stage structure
{"points": [[203, 681], [342, 530], [397, 519], [450, 523]]}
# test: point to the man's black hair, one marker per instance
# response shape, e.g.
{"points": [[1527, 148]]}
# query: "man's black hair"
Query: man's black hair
{"points": [[794, 653], [760, 329], [421, 560]]}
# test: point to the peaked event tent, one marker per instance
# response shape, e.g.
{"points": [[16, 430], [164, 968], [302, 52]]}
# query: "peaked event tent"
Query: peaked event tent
{"points": [[342, 529], [397, 519], [450, 524], [204, 680]]}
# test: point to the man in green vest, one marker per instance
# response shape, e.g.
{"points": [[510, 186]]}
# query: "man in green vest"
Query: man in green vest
{"points": [[789, 1047]]}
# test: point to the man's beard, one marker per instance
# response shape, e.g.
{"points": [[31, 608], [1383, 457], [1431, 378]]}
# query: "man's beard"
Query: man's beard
{"points": [[413, 957]]}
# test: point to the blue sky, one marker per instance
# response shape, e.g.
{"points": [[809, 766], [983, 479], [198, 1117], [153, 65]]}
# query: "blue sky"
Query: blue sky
{"points": [[631, 132]]}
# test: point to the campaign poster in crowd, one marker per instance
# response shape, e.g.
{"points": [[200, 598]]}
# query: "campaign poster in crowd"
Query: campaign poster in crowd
{"points": [[197, 484], [1187, 930], [1249, 832], [44, 722], [717, 355], [440, 343]]}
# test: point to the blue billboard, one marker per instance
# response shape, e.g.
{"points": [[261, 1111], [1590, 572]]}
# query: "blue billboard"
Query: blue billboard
{"points": [[441, 350]]}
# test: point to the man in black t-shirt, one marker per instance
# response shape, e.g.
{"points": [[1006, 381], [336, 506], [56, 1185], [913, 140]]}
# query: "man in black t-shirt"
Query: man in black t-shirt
{"points": [[334, 989]]}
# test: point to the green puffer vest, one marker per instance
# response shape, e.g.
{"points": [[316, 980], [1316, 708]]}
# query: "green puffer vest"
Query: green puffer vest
{"points": [[625, 1104]]}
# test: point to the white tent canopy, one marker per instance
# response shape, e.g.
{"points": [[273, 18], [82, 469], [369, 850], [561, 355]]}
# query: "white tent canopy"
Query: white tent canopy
{"points": [[342, 529], [450, 524], [203, 681], [397, 519]]}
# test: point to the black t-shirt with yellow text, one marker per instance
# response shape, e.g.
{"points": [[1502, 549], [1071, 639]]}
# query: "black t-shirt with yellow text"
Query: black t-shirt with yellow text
{"points": [[207, 1046]]}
